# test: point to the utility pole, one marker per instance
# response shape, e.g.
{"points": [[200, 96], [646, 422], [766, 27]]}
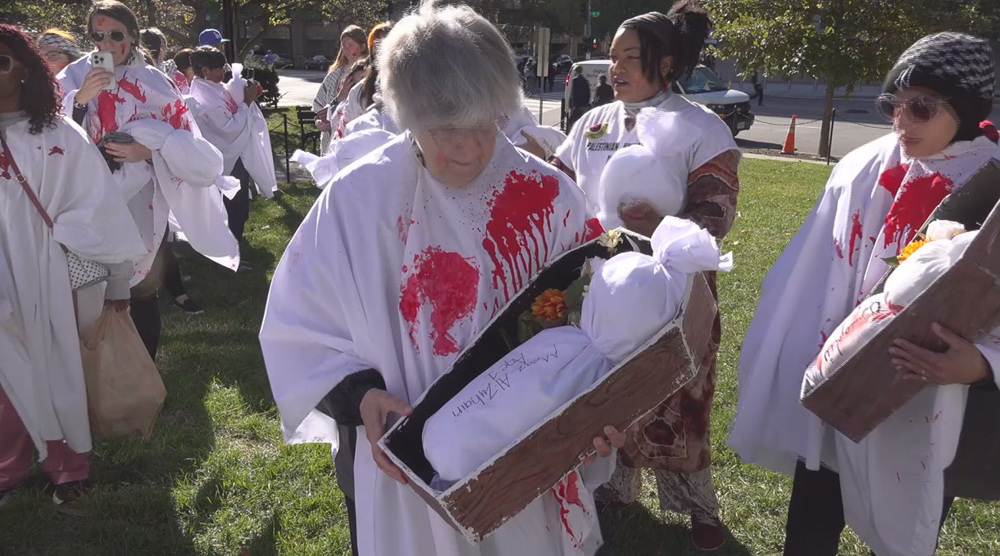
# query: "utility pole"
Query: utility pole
{"points": [[229, 29], [587, 31]]}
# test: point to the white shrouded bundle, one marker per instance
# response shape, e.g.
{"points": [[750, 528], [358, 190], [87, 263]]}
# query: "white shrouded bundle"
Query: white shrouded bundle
{"points": [[946, 244], [649, 172], [631, 297]]}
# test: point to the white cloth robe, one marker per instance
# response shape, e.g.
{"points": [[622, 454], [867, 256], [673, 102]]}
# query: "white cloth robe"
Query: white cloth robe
{"points": [[831, 264], [239, 131], [40, 367], [183, 184], [357, 288]]}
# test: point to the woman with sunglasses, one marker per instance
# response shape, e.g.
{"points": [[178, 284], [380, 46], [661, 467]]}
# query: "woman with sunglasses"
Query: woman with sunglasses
{"points": [[877, 198], [44, 157], [158, 157], [403, 259]]}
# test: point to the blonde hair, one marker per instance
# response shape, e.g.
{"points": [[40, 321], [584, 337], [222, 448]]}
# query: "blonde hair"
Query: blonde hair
{"points": [[356, 34]]}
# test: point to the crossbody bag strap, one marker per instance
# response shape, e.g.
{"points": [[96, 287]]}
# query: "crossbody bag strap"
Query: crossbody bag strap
{"points": [[24, 183]]}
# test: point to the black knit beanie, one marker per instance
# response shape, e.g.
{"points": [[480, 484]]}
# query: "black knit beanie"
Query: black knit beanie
{"points": [[956, 66]]}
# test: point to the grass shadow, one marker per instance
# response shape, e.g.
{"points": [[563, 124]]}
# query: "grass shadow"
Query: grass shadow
{"points": [[636, 531], [748, 144]]}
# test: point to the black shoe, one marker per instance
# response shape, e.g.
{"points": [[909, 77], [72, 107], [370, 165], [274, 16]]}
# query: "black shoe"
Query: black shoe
{"points": [[69, 492], [189, 306]]}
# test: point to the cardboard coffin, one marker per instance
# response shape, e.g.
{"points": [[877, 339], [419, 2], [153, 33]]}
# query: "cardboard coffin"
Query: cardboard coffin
{"points": [[505, 485], [866, 388]]}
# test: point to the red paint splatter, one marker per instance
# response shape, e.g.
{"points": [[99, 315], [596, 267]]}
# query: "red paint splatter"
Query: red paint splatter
{"points": [[567, 494], [522, 210], [174, 114], [566, 218], [56, 150], [855, 236], [840, 250], [132, 89], [4, 165], [594, 229], [107, 112], [448, 283], [912, 203], [230, 102], [403, 228]]}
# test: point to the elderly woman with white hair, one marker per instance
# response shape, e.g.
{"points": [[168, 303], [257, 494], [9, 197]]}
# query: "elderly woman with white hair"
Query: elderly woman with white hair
{"points": [[403, 259]]}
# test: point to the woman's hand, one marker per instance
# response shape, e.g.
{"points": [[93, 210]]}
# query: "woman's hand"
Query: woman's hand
{"points": [[640, 218], [128, 152], [120, 305], [322, 123], [962, 363], [603, 444], [95, 82], [375, 409], [252, 92]]}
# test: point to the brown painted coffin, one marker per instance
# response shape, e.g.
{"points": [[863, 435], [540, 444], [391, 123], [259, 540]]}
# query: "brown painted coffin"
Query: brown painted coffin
{"points": [[504, 486], [866, 388]]}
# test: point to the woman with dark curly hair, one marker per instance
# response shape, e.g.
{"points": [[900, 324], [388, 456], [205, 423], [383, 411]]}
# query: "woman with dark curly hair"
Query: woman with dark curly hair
{"points": [[43, 154]]}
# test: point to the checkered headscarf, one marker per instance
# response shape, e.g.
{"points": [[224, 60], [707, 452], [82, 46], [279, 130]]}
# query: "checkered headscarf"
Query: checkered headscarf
{"points": [[62, 44], [956, 66]]}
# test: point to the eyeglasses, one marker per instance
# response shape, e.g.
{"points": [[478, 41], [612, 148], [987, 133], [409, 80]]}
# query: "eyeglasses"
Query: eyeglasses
{"points": [[452, 136], [116, 36], [56, 56], [8, 63], [919, 109]]}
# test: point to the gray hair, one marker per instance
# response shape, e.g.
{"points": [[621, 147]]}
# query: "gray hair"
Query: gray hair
{"points": [[447, 66]]}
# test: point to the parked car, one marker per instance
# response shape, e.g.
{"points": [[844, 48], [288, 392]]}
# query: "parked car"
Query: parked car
{"points": [[562, 63], [283, 61], [703, 87], [317, 62]]}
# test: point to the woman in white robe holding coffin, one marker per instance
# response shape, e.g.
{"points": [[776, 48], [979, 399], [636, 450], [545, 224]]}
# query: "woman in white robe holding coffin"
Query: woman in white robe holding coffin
{"points": [[43, 400], [888, 487], [403, 259]]}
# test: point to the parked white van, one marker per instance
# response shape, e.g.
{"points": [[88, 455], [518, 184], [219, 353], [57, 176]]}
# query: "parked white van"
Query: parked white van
{"points": [[703, 87]]}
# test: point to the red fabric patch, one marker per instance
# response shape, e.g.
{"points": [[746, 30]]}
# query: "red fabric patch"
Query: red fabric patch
{"points": [[132, 89], [520, 212], [448, 283], [594, 229], [174, 114], [107, 112], [913, 203]]}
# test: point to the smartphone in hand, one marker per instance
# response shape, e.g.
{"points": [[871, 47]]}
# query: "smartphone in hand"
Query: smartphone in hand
{"points": [[103, 60]]}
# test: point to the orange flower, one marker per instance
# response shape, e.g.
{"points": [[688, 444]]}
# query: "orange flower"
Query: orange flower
{"points": [[910, 249], [550, 305]]}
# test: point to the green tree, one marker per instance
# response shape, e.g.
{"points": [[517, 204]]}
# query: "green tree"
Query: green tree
{"points": [[841, 42]]}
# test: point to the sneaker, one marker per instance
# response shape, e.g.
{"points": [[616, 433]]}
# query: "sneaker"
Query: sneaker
{"points": [[707, 532], [69, 492], [189, 306]]}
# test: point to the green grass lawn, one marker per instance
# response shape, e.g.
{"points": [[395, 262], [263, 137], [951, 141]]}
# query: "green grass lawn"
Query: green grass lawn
{"points": [[215, 477]]}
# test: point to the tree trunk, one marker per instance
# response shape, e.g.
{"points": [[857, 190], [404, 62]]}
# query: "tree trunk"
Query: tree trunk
{"points": [[824, 134], [151, 14]]}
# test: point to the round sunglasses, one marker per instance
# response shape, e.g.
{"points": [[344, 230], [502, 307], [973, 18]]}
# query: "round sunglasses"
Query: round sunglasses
{"points": [[99, 36], [919, 109], [8, 63]]}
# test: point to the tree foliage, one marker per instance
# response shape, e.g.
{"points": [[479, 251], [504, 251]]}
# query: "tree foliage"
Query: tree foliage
{"points": [[841, 42]]}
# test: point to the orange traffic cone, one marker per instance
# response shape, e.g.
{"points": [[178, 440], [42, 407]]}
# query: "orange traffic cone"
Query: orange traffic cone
{"points": [[789, 146]]}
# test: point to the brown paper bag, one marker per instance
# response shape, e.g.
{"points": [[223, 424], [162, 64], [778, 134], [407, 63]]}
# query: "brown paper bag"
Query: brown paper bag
{"points": [[124, 389]]}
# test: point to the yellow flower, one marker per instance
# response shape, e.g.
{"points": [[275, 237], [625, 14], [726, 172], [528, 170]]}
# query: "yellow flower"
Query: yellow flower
{"points": [[550, 305], [610, 239], [910, 249]]}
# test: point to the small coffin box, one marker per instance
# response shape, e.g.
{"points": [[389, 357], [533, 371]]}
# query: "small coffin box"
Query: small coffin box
{"points": [[866, 389], [505, 485]]}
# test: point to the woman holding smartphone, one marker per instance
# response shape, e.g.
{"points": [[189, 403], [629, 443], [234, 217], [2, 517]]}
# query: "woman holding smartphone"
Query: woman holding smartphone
{"points": [[163, 166]]}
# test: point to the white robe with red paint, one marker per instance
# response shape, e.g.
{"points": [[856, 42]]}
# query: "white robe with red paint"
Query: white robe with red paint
{"points": [[239, 131], [40, 367], [393, 271], [891, 482], [183, 183]]}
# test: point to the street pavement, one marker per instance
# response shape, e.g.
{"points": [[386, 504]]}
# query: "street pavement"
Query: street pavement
{"points": [[857, 122]]}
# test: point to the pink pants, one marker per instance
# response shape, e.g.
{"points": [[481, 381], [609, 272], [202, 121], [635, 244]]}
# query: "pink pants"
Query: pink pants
{"points": [[62, 466]]}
